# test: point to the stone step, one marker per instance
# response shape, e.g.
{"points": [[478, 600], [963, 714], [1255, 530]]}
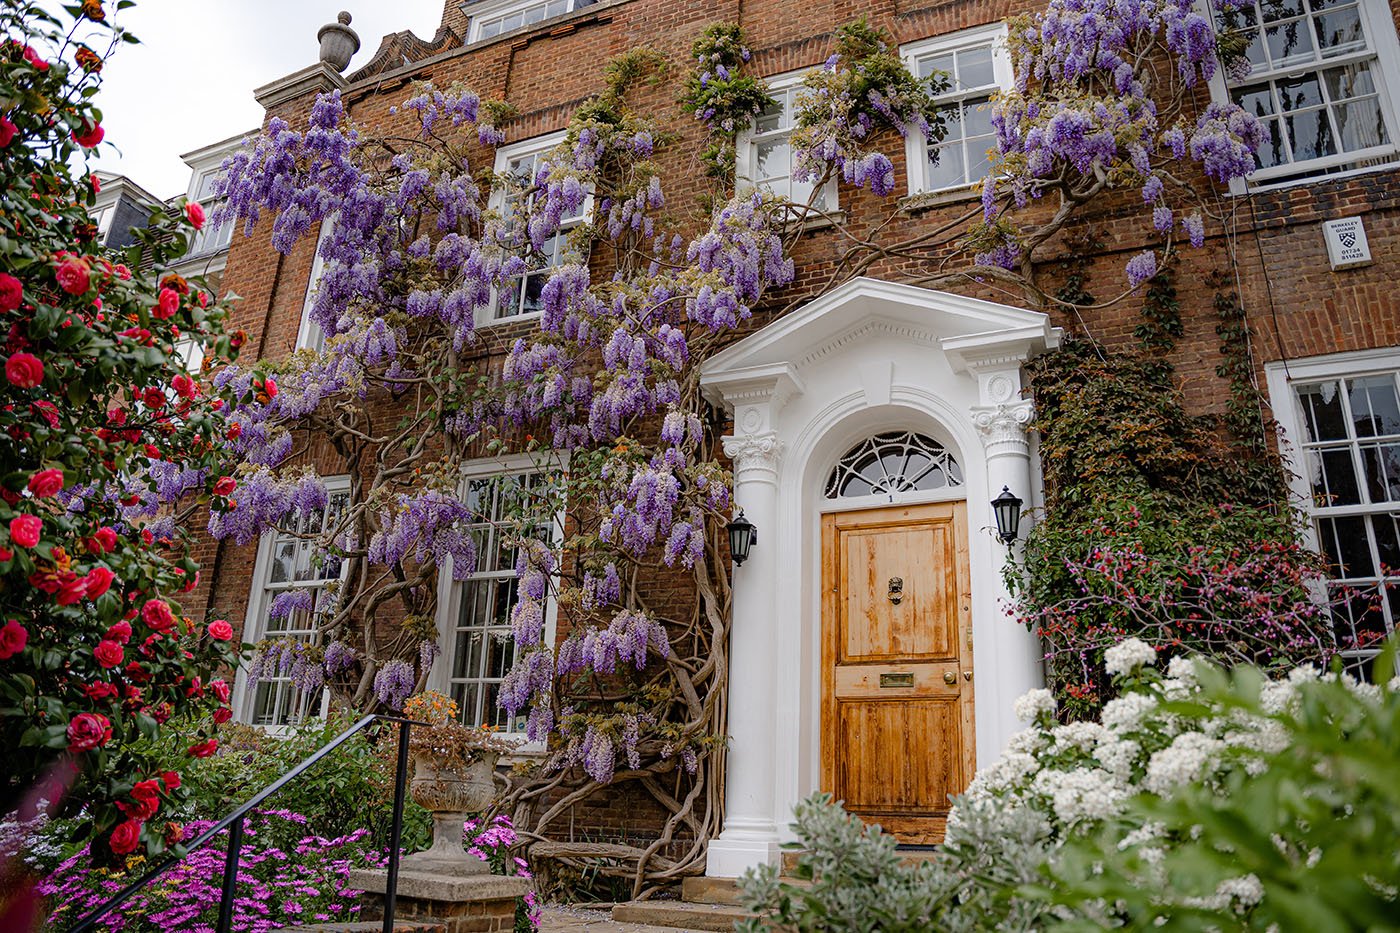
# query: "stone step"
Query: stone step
{"points": [[366, 926], [718, 918], [701, 890], [591, 919], [787, 860]]}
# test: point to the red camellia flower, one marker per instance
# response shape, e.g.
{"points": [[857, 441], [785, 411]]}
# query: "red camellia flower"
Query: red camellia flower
{"points": [[168, 304], [108, 653], [89, 135], [270, 387], [105, 538], [100, 691], [220, 690], [223, 714], [33, 58], [71, 589], [87, 731], [171, 779], [203, 749], [153, 397], [183, 386], [13, 637], [126, 837], [120, 632], [194, 212], [11, 289], [46, 410], [24, 370], [46, 483], [235, 430], [220, 630], [156, 613], [7, 131], [74, 275], [5, 554], [225, 486], [25, 530], [97, 581], [146, 790]]}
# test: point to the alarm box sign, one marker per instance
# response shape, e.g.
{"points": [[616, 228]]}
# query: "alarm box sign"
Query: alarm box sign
{"points": [[1346, 243]]}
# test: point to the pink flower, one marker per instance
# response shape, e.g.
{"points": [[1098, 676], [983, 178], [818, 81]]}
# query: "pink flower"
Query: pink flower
{"points": [[195, 214], [25, 530], [71, 590], [156, 613], [97, 582], [270, 387], [90, 135], [148, 789], [7, 131], [154, 398], [11, 289], [121, 632], [24, 370], [74, 275], [220, 689], [33, 58], [12, 639], [167, 304], [108, 653], [220, 630], [225, 486], [103, 540], [88, 730], [223, 714], [46, 483], [47, 410], [183, 386], [171, 779]]}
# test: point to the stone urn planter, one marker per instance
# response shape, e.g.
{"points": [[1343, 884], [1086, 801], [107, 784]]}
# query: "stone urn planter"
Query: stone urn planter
{"points": [[452, 791]]}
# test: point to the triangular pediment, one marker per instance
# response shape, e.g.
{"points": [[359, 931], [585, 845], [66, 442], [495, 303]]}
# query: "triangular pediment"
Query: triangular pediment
{"points": [[867, 309]]}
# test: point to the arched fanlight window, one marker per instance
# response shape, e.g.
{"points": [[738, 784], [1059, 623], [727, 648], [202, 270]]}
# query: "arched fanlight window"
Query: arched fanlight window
{"points": [[896, 461]]}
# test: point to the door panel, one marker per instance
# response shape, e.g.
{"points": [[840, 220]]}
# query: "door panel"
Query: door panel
{"points": [[897, 665]]}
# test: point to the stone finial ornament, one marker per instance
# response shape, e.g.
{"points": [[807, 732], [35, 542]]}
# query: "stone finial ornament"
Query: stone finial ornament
{"points": [[339, 42]]}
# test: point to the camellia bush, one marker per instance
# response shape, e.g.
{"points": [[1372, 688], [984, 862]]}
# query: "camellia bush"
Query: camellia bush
{"points": [[602, 393], [108, 441], [1203, 799]]}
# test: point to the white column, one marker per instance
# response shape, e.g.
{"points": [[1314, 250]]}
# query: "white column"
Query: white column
{"points": [[750, 833], [1015, 651]]}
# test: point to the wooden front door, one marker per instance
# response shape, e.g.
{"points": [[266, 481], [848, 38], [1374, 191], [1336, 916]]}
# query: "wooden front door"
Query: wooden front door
{"points": [[897, 734]]}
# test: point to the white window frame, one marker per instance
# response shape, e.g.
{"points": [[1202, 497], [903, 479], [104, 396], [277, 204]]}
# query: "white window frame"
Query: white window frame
{"points": [[259, 601], [485, 15], [209, 240], [1282, 377], [450, 591], [916, 143], [309, 335], [534, 146], [788, 84], [1384, 56]]}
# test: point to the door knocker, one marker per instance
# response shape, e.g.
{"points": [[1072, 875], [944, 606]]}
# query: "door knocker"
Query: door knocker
{"points": [[896, 593]]}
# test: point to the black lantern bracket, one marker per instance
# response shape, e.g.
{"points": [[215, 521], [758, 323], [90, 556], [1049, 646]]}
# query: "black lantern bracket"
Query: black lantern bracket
{"points": [[743, 534], [1007, 509]]}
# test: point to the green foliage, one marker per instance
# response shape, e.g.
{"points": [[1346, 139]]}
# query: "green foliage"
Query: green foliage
{"points": [[1302, 840], [721, 96], [350, 789]]}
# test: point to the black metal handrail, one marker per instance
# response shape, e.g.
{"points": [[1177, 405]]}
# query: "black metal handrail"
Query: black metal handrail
{"points": [[234, 824]]}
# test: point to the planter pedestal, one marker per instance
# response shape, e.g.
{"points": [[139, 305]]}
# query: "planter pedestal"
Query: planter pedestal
{"points": [[472, 903]]}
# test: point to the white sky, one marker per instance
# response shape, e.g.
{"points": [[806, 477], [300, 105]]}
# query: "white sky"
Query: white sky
{"points": [[190, 82]]}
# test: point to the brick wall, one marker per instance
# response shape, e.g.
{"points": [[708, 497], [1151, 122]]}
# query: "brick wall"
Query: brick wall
{"points": [[1297, 305]]}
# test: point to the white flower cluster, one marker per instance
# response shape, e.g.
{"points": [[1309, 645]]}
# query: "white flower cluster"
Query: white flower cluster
{"points": [[1127, 656], [1028, 708]]}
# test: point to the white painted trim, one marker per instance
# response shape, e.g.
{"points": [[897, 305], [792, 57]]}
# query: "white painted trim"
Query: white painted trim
{"points": [[746, 150], [449, 591], [309, 335], [253, 616], [915, 142]]}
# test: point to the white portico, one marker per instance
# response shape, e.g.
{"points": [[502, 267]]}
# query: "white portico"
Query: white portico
{"points": [[868, 357]]}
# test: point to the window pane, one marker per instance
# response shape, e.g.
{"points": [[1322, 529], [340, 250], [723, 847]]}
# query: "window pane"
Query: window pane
{"points": [[1382, 465], [558, 8], [1357, 617], [936, 63], [771, 120], [1322, 411], [1375, 409], [977, 117], [1361, 125], [512, 21], [283, 561], [1340, 32], [1275, 10], [1289, 43], [1387, 529], [1339, 477], [534, 15], [1346, 547], [975, 67], [945, 167], [491, 29], [773, 160], [1299, 93]]}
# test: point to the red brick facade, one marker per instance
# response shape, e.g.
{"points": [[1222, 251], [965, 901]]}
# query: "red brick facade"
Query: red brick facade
{"points": [[1296, 304]]}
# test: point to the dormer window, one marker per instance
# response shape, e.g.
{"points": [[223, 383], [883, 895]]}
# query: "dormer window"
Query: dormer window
{"points": [[489, 20]]}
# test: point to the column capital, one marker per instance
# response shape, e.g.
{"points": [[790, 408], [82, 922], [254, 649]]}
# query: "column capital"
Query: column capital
{"points": [[756, 456], [1003, 428]]}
